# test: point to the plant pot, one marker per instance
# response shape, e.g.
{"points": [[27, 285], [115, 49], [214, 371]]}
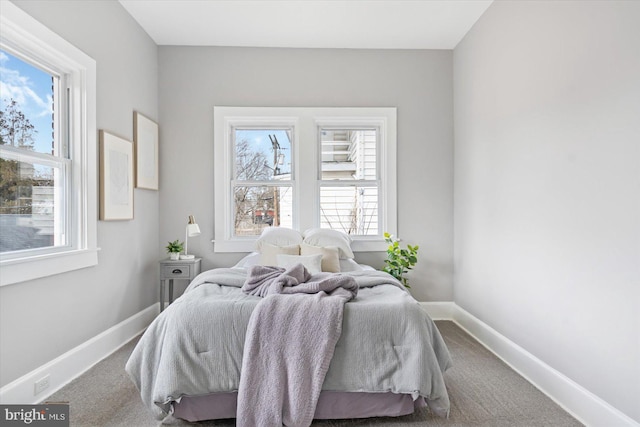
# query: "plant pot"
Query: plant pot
{"points": [[174, 256]]}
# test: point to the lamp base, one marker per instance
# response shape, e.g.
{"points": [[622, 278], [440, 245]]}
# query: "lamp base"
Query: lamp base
{"points": [[187, 256]]}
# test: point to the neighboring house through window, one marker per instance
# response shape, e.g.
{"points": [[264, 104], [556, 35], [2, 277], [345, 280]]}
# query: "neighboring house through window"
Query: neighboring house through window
{"points": [[47, 151], [304, 168]]}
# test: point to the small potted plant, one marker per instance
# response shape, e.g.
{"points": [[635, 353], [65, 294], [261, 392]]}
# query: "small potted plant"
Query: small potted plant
{"points": [[399, 261], [174, 248]]}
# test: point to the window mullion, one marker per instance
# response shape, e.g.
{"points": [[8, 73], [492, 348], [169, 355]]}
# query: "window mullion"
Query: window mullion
{"points": [[17, 154], [239, 183], [353, 183]]}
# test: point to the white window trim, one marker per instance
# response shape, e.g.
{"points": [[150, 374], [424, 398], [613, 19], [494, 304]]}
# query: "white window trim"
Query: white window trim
{"points": [[21, 32], [305, 122]]}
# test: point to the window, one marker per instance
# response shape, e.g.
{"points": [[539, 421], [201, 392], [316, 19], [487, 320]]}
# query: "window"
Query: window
{"points": [[349, 184], [33, 166], [304, 168], [262, 181], [47, 152]]}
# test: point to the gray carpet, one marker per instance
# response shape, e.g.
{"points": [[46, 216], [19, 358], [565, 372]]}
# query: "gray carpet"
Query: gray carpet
{"points": [[483, 392]]}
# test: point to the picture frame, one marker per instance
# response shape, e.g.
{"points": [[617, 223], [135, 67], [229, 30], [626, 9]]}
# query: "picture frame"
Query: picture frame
{"points": [[145, 138], [116, 177]]}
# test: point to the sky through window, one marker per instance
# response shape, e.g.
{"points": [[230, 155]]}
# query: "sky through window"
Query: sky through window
{"points": [[32, 89]]}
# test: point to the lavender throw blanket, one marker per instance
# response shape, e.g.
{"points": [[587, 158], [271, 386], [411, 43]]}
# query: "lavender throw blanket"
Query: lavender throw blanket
{"points": [[289, 344]]}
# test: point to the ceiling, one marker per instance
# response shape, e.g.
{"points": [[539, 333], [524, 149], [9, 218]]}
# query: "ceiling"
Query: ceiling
{"points": [[361, 24]]}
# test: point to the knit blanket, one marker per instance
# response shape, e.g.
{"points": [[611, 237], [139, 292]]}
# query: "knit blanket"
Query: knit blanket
{"points": [[265, 280], [291, 337]]}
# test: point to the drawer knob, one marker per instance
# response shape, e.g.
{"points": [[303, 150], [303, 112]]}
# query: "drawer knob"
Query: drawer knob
{"points": [[176, 271]]}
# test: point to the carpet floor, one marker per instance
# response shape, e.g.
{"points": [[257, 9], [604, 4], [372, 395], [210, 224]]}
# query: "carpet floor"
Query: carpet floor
{"points": [[483, 391]]}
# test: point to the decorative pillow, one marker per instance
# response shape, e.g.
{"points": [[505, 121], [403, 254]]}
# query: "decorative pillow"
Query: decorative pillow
{"points": [[313, 263], [325, 237], [269, 253], [330, 256], [278, 236]]}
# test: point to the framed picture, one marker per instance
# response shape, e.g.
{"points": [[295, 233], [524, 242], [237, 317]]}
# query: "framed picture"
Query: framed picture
{"points": [[145, 137], [116, 177]]}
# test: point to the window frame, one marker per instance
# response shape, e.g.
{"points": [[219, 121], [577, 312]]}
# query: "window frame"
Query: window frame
{"points": [[23, 36], [306, 123]]}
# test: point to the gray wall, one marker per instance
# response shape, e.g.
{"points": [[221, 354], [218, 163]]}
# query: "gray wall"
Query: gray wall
{"points": [[547, 186], [42, 319], [418, 83]]}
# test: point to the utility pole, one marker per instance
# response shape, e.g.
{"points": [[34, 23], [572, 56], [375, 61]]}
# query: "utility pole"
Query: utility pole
{"points": [[276, 196]]}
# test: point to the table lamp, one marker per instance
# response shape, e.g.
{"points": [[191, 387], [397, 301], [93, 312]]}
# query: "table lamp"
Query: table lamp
{"points": [[191, 231]]}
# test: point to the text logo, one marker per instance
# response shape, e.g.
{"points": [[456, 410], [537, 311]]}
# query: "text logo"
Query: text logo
{"points": [[49, 415]]}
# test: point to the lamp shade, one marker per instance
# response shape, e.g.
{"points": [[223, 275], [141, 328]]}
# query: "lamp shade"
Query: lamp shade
{"points": [[192, 230]]}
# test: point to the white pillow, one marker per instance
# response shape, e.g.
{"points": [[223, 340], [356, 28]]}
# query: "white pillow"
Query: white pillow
{"points": [[325, 237], [269, 253], [278, 236], [249, 260], [330, 256], [313, 263], [351, 265]]}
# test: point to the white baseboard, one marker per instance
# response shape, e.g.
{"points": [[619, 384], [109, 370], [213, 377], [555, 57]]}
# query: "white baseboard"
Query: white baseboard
{"points": [[575, 399], [76, 361], [581, 403], [439, 310]]}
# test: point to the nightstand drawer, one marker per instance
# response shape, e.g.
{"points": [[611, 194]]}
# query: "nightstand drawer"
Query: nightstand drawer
{"points": [[178, 271]]}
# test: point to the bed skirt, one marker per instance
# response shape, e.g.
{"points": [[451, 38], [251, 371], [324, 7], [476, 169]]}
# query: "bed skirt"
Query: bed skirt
{"points": [[331, 405]]}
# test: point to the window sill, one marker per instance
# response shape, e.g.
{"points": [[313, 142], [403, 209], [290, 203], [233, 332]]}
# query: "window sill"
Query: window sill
{"points": [[30, 268], [249, 245]]}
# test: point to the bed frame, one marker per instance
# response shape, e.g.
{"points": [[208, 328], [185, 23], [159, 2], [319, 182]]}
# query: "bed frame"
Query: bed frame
{"points": [[331, 405]]}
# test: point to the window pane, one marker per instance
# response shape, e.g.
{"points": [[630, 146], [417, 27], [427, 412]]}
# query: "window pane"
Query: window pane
{"points": [[29, 218], [348, 154], [262, 154], [351, 209], [26, 106], [257, 207]]}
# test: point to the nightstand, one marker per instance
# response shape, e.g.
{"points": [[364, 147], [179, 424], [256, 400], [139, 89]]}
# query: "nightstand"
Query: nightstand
{"points": [[182, 269]]}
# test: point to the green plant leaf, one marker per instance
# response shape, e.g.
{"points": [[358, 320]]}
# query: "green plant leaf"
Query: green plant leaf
{"points": [[399, 260]]}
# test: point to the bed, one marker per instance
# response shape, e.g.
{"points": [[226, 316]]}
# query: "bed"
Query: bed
{"points": [[388, 360]]}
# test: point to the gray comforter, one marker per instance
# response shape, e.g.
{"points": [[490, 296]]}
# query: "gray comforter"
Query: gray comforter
{"points": [[195, 346]]}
